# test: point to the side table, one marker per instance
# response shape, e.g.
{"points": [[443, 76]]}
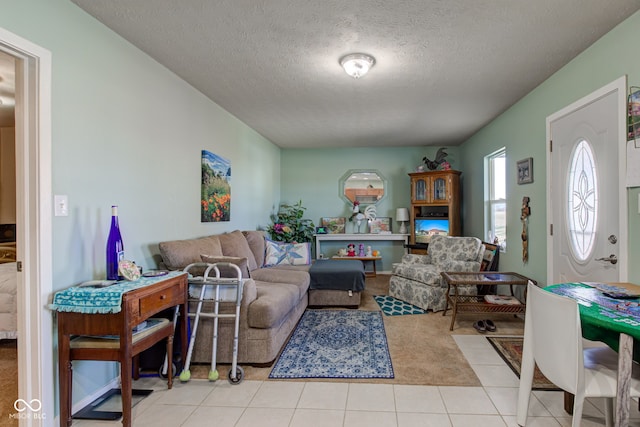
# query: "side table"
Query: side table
{"points": [[476, 303], [364, 260], [139, 301]]}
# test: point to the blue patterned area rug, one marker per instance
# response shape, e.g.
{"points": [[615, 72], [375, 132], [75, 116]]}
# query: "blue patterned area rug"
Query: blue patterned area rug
{"points": [[391, 306], [336, 344]]}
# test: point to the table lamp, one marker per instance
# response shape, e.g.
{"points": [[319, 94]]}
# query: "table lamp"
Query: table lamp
{"points": [[402, 215]]}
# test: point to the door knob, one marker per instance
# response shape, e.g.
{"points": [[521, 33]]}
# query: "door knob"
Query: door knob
{"points": [[612, 259]]}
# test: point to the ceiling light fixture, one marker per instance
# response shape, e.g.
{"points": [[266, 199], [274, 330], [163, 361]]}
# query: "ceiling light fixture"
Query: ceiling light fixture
{"points": [[357, 64]]}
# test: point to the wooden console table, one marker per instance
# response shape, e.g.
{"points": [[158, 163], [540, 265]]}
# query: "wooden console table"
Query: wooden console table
{"points": [[476, 303], [147, 297], [361, 237]]}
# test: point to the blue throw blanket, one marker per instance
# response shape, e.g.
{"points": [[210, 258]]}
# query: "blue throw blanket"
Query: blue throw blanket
{"points": [[343, 275], [100, 300]]}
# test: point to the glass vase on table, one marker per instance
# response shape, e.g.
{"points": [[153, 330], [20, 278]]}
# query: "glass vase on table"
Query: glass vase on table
{"points": [[115, 246]]}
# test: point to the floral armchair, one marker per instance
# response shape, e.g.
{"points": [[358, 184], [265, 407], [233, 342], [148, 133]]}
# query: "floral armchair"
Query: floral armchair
{"points": [[417, 279]]}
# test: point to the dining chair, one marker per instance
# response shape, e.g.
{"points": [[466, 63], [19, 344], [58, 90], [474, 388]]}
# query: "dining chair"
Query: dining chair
{"points": [[553, 342]]}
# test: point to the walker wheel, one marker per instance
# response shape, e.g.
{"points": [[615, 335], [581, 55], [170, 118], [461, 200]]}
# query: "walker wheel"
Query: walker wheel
{"points": [[162, 374], [239, 376]]}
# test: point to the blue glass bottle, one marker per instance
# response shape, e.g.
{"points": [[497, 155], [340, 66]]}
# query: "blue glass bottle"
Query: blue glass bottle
{"points": [[115, 247]]}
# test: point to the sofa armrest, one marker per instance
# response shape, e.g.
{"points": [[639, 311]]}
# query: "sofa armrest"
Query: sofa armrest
{"points": [[249, 293], [460, 266]]}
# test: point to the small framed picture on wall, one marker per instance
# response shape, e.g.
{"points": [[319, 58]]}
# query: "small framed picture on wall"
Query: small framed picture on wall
{"points": [[333, 225], [380, 225], [525, 171]]}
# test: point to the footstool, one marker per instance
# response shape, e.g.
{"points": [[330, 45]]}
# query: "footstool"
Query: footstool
{"points": [[336, 283]]}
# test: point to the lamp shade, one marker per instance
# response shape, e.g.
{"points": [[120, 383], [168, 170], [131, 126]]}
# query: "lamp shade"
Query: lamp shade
{"points": [[402, 214]]}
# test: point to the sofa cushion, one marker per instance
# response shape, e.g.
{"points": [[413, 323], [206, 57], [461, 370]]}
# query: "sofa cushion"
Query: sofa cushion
{"points": [[234, 244], [177, 254], [273, 304], [278, 253], [255, 239], [271, 275], [228, 271]]}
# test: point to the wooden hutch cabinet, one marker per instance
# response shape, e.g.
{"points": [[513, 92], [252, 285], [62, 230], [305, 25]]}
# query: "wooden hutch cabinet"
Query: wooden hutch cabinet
{"points": [[435, 206]]}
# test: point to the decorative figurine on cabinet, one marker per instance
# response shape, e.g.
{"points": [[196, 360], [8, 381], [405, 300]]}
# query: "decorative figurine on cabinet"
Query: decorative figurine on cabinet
{"points": [[440, 156], [369, 253], [361, 250]]}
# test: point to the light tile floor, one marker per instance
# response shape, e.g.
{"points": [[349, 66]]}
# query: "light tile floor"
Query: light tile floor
{"points": [[327, 404]]}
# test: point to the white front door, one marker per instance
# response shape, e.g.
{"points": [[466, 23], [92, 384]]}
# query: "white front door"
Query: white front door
{"points": [[587, 198]]}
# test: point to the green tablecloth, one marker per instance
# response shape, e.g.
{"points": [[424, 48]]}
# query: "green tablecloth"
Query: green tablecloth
{"points": [[604, 318]]}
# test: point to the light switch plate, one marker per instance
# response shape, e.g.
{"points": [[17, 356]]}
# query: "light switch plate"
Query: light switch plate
{"points": [[61, 205]]}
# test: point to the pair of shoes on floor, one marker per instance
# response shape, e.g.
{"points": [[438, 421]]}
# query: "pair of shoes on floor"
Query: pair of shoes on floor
{"points": [[485, 325]]}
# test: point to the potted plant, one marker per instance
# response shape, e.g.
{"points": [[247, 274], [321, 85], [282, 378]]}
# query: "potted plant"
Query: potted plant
{"points": [[290, 226]]}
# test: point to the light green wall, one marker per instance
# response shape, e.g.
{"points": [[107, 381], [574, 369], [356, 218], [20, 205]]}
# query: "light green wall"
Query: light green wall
{"points": [[521, 129], [312, 175], [127, 131]]}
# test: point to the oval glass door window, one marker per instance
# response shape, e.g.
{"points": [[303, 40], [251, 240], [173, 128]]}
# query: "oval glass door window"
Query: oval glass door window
{"points": [[582, 201]]}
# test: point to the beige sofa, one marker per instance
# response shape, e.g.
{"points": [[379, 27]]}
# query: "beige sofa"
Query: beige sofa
{"points": [[273, 301]]}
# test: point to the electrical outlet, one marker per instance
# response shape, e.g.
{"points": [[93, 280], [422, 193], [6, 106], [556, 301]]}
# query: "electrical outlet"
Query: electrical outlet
{"points": [[61, 205]]}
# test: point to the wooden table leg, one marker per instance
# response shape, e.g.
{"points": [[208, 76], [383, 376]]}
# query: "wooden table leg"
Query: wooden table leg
{"points": [[369, 273], [65, 377], [625, 361], [126, 389], [446, 297], [170, 362], [454, 304]]}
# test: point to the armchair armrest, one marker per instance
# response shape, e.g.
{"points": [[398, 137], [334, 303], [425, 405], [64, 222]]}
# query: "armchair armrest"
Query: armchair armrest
{"points": [[416, 259]]}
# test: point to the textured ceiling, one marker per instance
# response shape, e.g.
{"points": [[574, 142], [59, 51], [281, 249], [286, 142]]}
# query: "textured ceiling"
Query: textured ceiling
{"points": [[443, 68]]}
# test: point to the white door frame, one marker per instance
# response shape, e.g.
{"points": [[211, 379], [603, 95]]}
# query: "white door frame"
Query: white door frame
{"points": [[619, 85], [34, 231]]}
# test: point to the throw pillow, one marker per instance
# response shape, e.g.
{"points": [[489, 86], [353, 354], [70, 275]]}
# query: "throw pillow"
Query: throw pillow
{"points": [[226, 271], [177, 254], [236, 245], [278, 253], [488, 257]]}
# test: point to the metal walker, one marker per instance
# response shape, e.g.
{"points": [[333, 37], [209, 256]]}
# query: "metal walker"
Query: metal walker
{"points": [[219, 289]]}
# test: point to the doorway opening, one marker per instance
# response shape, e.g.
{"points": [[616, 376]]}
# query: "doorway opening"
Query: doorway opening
{"points": [[33, 223]]}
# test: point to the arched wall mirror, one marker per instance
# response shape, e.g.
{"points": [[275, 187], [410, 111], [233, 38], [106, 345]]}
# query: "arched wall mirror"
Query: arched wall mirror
{"points": [[367, 186]]}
